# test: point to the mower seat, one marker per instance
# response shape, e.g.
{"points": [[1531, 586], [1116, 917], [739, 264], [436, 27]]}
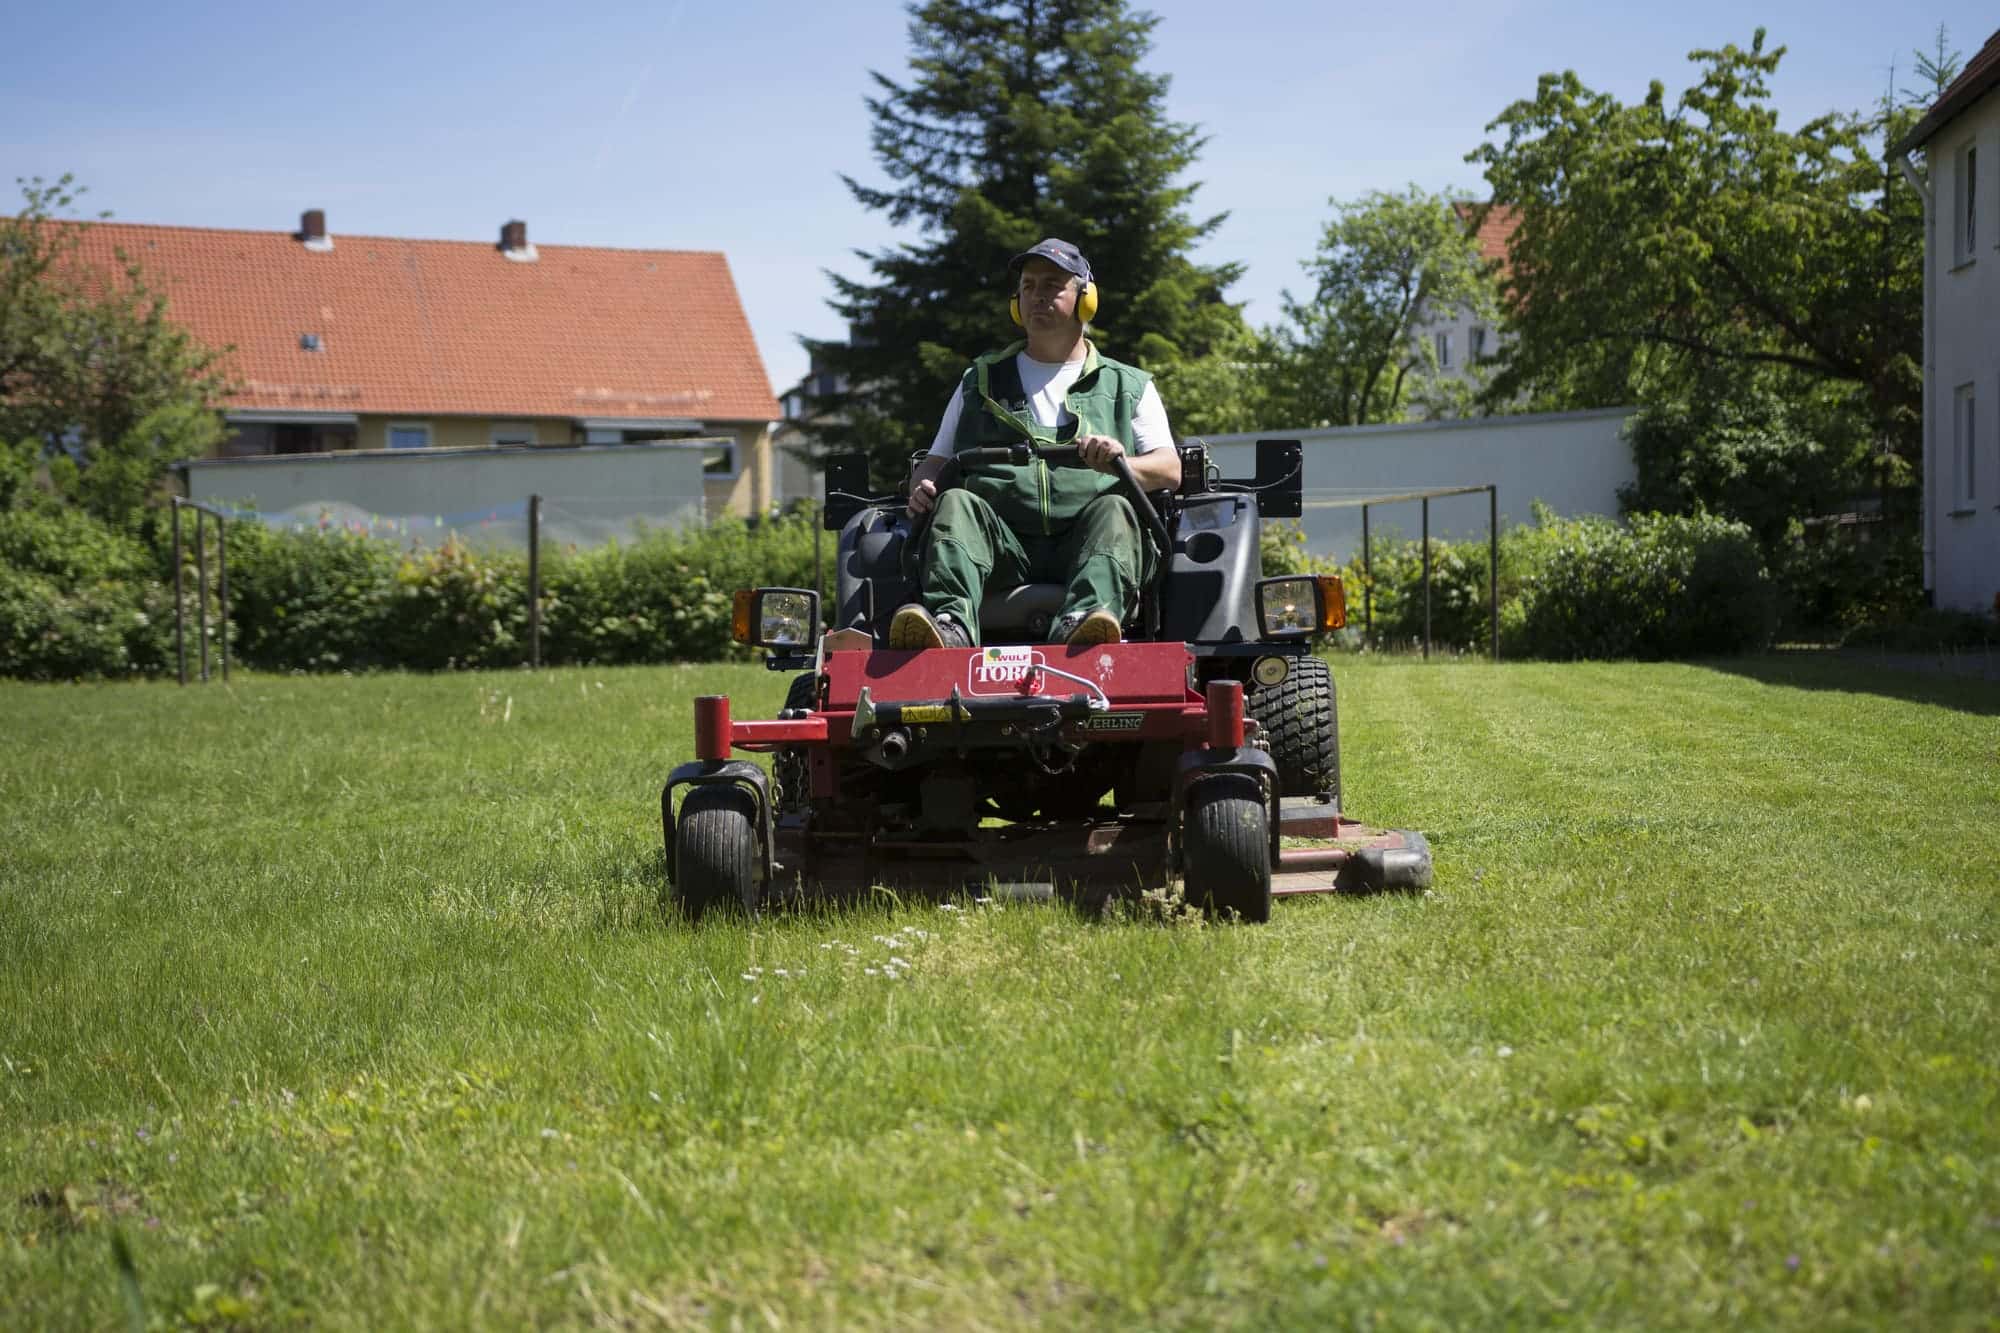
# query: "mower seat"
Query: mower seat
{"points": [[1019, 614]]}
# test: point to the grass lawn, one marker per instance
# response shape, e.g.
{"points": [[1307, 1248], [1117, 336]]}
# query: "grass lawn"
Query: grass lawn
{"points": [[346, 1003]]}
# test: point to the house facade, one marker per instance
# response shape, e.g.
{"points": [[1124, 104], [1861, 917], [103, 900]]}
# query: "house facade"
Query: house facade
{"points": [[341, 343], [1959, 137], [1461, 338]]}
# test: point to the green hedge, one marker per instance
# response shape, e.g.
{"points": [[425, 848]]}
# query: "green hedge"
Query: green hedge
{"points": [[1664, 586], [318, 601], [79, 599]]}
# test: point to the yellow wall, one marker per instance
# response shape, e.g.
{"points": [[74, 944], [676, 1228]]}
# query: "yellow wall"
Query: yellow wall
{"points": [[459, 432]]}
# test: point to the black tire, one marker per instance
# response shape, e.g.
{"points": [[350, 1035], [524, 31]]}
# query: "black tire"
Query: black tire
{"points": [[803, 693], [791, 766], [1301, 721], [1227, 848], [715, 852]]}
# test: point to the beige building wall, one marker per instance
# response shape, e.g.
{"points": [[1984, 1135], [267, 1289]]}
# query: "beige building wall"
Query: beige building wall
{"points": [[749, 491], [449, 432]]}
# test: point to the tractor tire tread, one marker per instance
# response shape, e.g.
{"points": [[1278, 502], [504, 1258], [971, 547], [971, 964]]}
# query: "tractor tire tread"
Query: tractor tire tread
{"points": [[1300, 716], [715, 851], [1228, 848]]}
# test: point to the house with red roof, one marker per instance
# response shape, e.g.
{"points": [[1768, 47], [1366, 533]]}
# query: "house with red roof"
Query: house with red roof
{"points": [[1959, 139], [340, 343], [1462, 338]]}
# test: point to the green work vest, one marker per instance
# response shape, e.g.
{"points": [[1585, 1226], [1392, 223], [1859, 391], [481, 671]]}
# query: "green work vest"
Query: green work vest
{"points": [[1036, 498]]}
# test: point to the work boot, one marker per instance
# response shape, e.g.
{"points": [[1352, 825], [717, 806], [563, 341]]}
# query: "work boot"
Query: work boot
{"points": [[1080, 630], [915, 627]]}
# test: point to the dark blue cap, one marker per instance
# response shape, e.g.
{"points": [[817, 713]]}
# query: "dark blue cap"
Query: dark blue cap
{"points": [[1060, 253]]}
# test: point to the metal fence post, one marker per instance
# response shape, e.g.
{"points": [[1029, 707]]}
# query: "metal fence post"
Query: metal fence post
{"points": [[1367, 582], [1493, 568], [222, 587], [201, 587], [180, 603], [1427, 578], [535, 581]]}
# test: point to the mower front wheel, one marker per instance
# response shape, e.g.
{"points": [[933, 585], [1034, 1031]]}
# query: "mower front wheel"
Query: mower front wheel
{"points": [[715, 851], [1226, 842], [1301, 720]]}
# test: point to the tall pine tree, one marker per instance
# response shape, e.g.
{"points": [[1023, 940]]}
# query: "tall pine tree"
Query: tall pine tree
{"points": [[1021, 119]]}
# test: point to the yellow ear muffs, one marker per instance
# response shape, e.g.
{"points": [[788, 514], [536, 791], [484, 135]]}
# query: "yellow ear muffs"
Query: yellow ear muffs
{"points": [[1086, 305]]}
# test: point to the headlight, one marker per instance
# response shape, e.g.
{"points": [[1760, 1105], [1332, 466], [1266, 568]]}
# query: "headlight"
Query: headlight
{"points": [[1299, 606], [774, 617]]}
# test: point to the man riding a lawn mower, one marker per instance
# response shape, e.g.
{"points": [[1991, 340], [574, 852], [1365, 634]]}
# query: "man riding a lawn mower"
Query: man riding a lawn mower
{"points": [[1143, 703], [1008, 524]]}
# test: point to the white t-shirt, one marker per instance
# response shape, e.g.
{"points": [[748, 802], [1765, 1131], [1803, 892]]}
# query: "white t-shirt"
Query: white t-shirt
{"points": [[1047, 385]]}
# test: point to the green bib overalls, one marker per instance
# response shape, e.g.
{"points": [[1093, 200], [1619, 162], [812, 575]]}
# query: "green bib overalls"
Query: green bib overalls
{"points": [[1007, 524]]}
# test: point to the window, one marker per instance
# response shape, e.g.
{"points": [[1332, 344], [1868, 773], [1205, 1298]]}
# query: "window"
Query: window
{"points": [[1965, 219], [719, 461], [409, 435], [1442, 341], [512, 432], [1475, 347], [1964, 444]]}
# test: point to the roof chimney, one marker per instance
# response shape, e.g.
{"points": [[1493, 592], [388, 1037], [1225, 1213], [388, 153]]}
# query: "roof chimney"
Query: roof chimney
{"points": [[312, 230], [514, 241]]}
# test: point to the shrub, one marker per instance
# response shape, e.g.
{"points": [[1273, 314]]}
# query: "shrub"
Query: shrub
{"points": [[70, 548], [312, 600], [97, 629], [666, 596], [1670, 585], [1930, 630]]}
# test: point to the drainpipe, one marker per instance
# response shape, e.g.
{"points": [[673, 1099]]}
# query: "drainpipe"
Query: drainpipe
{"points": [[1926, 510]]}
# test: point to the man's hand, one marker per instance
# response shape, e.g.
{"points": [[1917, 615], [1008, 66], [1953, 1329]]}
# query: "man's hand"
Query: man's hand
{"points": [[923, 497], [1098, 451]]}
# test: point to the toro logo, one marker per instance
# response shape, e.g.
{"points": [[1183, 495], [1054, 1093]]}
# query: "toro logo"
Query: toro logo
{"points": [[1008, 670]]}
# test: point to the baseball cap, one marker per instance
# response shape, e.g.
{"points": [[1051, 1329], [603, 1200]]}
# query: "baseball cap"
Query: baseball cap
{"points": [[1060, 253]]}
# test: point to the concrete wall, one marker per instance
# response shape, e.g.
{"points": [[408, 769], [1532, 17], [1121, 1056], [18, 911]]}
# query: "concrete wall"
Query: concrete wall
{"points": [[591, 493], [1961, 509], [1572, 461], [749, 491]]}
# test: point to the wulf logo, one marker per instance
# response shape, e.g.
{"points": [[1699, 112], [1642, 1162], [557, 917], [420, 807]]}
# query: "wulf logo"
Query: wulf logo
{"points": [[1004, 671]]}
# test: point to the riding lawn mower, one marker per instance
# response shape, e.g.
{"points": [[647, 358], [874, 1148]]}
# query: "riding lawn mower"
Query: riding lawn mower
{"points": [[1204, 748]]}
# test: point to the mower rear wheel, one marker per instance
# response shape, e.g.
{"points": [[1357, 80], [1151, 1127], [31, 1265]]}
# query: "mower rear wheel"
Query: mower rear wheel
{"points": [[715, 852], [1226, 844], [1301, 721]]}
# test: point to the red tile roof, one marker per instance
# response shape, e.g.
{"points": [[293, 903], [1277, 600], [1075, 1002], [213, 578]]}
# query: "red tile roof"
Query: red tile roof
{"points": [[1496, 226], [456, 327], [1979, 77]]}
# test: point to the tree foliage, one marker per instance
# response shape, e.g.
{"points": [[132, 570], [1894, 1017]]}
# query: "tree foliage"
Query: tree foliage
{"points": [[1700, 248], [94, 374], [1020, 119], [1347, 356]]}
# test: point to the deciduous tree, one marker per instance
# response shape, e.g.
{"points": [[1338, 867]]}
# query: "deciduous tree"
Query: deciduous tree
{"points": [[93, 369], [1669, 250], [1347, 354]]}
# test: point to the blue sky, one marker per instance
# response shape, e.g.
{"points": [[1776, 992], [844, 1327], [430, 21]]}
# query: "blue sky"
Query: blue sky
{"points": [[726, 127]]}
